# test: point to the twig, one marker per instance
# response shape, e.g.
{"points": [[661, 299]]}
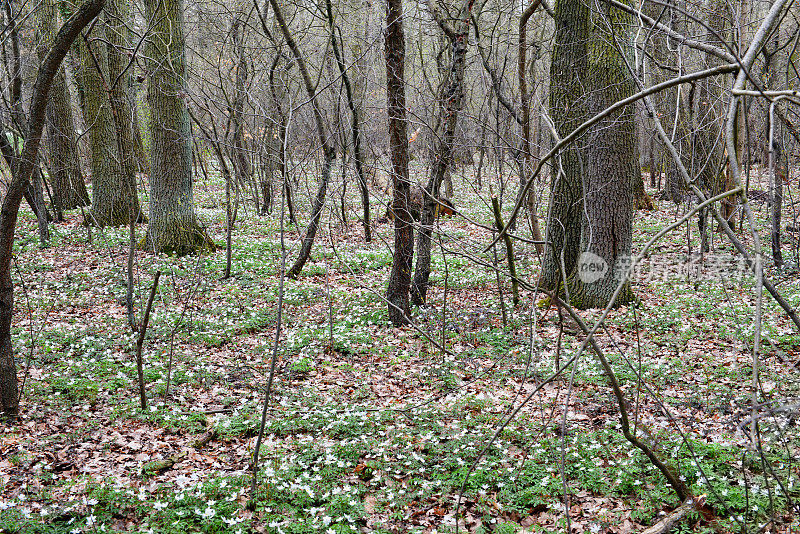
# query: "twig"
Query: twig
{"points": [[140, 341]]}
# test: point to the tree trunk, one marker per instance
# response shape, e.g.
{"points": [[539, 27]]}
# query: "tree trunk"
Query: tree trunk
{"points": [[400, 278], [567, 72], [525, 167], [69, 189], [21, 175], [452, 99], [642, 200], [34, 194], [609, 167], [110, 192], [328, 151], [142, 160], [240, 157], [118, 20], [173, 226], [712, 152], [355, 127]]}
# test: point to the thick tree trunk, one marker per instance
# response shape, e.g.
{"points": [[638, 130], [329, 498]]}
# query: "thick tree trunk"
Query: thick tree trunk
{"points": [[567, 72], [110, 192], [120, 69], [22, 172], [69, 189], [642, 200], [610, 165], [400, 277], [452, 99], [142, 161], [173, 226]]}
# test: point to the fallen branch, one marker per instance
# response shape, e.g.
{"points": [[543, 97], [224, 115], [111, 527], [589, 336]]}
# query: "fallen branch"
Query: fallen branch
{"points": [[676, 516], [160, 466]]}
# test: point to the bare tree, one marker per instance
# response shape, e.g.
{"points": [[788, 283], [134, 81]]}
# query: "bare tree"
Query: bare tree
{"points": [[400, 277], [22, 173]]}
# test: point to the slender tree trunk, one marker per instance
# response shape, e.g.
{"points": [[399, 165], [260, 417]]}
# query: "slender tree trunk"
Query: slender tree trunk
{"points": [[400, 277], [328, 151], [527, 155], [452, 100], [173, 226], [21, 175], [777, 174], [34, 194], [355, 126], [241, 158], [720, 20]]}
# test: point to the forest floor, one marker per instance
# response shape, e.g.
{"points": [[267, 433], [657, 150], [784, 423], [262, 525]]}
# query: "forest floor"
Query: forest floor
{"points": [[372, 428]]}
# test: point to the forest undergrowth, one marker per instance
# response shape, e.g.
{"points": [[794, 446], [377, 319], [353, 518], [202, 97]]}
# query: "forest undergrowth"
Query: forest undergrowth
{"points": [[372, 428]]}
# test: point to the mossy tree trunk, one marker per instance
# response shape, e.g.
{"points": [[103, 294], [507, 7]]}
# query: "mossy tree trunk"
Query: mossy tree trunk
{"points": [[567, 105], [110, 192], [610, 163], [173, 226], [120, 69], [69, 189]]}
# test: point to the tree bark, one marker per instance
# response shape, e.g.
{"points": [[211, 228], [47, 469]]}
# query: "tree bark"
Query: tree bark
{"points": [[34, 194], [355, 126], [611, 163], [120, 80], [22, 172], [527, 155], [240, 156], [452, 100], [400, 277], [110, 192], [567, 107], [328, 151], [173, 226], [69, 189]]}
